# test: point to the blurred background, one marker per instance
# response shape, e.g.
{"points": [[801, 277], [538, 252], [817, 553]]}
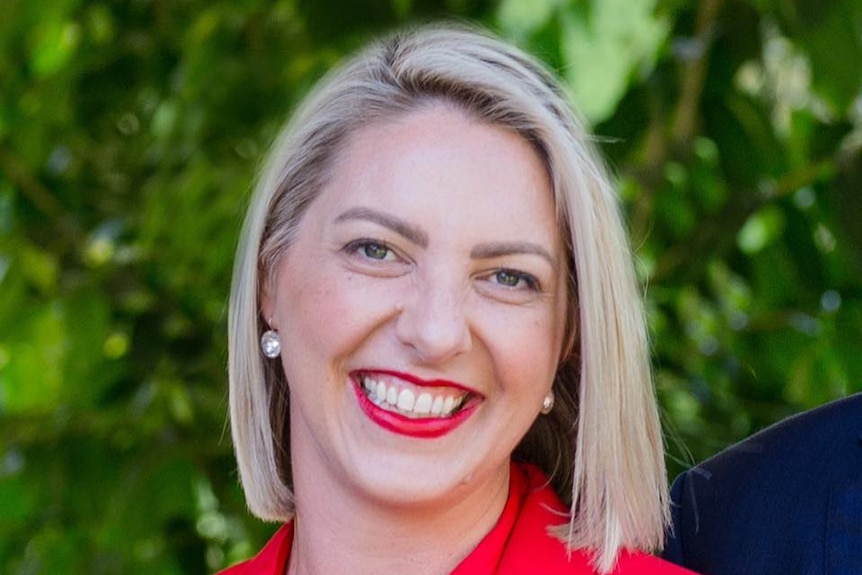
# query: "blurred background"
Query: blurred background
{"points": [[130, 133]]}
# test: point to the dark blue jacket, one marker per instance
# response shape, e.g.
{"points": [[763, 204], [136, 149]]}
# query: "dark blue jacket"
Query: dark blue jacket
{"points": [[787, 500]]}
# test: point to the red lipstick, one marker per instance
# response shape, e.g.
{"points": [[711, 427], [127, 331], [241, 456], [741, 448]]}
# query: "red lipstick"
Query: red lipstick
{"points": [[422, 382], [419, 427]]}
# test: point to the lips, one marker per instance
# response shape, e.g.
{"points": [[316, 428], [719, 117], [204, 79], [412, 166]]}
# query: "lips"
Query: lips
{"points": [[414, 403], [409, 406]]}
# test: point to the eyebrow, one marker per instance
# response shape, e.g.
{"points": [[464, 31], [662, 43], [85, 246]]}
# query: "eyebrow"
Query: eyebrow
{"points": [[397, 225], [419, 237], [500, 249]]}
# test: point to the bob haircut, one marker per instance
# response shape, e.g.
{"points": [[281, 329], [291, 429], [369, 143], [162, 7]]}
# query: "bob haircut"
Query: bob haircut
{"points": [[601, 445]]}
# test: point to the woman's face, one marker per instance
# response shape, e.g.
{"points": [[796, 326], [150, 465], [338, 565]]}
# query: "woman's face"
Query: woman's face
{"points": [[421, 309]]}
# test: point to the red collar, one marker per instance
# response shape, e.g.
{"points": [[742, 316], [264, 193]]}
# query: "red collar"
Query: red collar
{"points": [[519, 544], [531, 508]]}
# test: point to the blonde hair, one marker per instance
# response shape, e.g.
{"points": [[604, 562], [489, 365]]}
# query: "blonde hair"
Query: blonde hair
{"points": [[601, 445]]}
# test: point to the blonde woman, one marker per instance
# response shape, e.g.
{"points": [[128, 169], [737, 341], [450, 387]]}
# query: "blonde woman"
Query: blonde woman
{"points": [[438, 361]]}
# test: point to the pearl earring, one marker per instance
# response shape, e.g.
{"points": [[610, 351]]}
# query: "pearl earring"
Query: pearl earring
{"points": [[270, 344], [548, 403]]}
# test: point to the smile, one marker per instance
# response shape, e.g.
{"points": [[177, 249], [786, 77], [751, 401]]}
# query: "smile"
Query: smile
{"points": [[409, 406], [396, 397]]}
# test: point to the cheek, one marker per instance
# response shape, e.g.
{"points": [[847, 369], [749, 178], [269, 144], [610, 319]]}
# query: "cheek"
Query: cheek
{"points": [[331, 311], [526, 350]]}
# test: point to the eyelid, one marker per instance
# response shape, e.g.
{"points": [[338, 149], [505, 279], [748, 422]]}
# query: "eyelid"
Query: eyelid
{"points": [[356, 244], [352, 248], [531, 281]]}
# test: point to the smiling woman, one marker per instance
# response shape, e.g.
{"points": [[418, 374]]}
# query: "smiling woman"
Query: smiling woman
{"points": [[409, 297], [454, 358]]}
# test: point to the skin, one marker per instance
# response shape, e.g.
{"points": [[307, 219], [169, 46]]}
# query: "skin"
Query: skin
{"points": [[433, 251]]}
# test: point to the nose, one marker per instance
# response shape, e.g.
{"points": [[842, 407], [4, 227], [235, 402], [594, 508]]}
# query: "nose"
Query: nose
{"points": [[433, 322]]}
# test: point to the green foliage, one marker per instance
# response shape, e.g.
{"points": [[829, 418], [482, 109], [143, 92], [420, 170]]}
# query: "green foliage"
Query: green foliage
{"points": [[129, 137]]}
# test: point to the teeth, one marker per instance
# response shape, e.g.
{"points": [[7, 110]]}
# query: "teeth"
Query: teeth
{"points": [[423, 404], [406, 401], [448, 404], [437, 406]]}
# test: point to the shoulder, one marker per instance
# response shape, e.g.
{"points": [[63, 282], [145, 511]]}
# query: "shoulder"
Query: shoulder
{"points": [[560, 562], [272, 559], [813, 440], [532, 548], [644, 564], [784, 475], [813, 427], [553, 559]]}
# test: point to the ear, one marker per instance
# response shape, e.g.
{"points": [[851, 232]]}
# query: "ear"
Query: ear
{"points": [[267, 302]]}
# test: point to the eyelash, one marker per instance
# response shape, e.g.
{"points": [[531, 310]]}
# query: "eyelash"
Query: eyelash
{"points": [[531, 282], [360, 247]]}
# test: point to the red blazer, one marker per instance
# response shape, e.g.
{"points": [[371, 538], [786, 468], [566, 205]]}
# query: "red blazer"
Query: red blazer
{"points": [[518, 545]]}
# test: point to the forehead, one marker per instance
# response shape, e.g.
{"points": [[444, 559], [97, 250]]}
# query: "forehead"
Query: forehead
{"points": [[442, 169], [442, 154]]}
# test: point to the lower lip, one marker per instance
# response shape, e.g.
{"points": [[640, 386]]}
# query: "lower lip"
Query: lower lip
{"points": [[423, 427]]}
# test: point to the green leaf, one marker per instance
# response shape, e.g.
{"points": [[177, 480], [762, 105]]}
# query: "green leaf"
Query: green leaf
{"points": [[520, 18], [53, 44], [760, 230], [607, 44], [834, 43], [31, 378]]}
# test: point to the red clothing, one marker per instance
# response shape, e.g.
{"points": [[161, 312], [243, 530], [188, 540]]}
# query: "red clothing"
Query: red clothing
{"points": [[519, 544]]}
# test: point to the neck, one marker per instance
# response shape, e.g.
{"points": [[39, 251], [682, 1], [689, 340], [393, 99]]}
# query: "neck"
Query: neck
{"points": [[337, 532]]}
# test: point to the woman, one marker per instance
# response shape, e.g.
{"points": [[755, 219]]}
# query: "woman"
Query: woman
{"points": [[438, 360]]}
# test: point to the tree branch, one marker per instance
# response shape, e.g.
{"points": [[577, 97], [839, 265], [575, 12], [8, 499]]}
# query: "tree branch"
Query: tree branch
{"points": [[694, 74]]}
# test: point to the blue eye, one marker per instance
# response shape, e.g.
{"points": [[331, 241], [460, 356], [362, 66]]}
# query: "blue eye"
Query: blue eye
{"points": [[515, 279], [375, 251], [375, 258], [368, 249]]}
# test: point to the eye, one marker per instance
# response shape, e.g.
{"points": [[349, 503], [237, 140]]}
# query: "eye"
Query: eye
{"points": [[375, 251], [515, 280], [368, 249]]}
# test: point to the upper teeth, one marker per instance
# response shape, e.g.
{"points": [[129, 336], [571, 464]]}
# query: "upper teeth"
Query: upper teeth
{"points": [[407, 401]]}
